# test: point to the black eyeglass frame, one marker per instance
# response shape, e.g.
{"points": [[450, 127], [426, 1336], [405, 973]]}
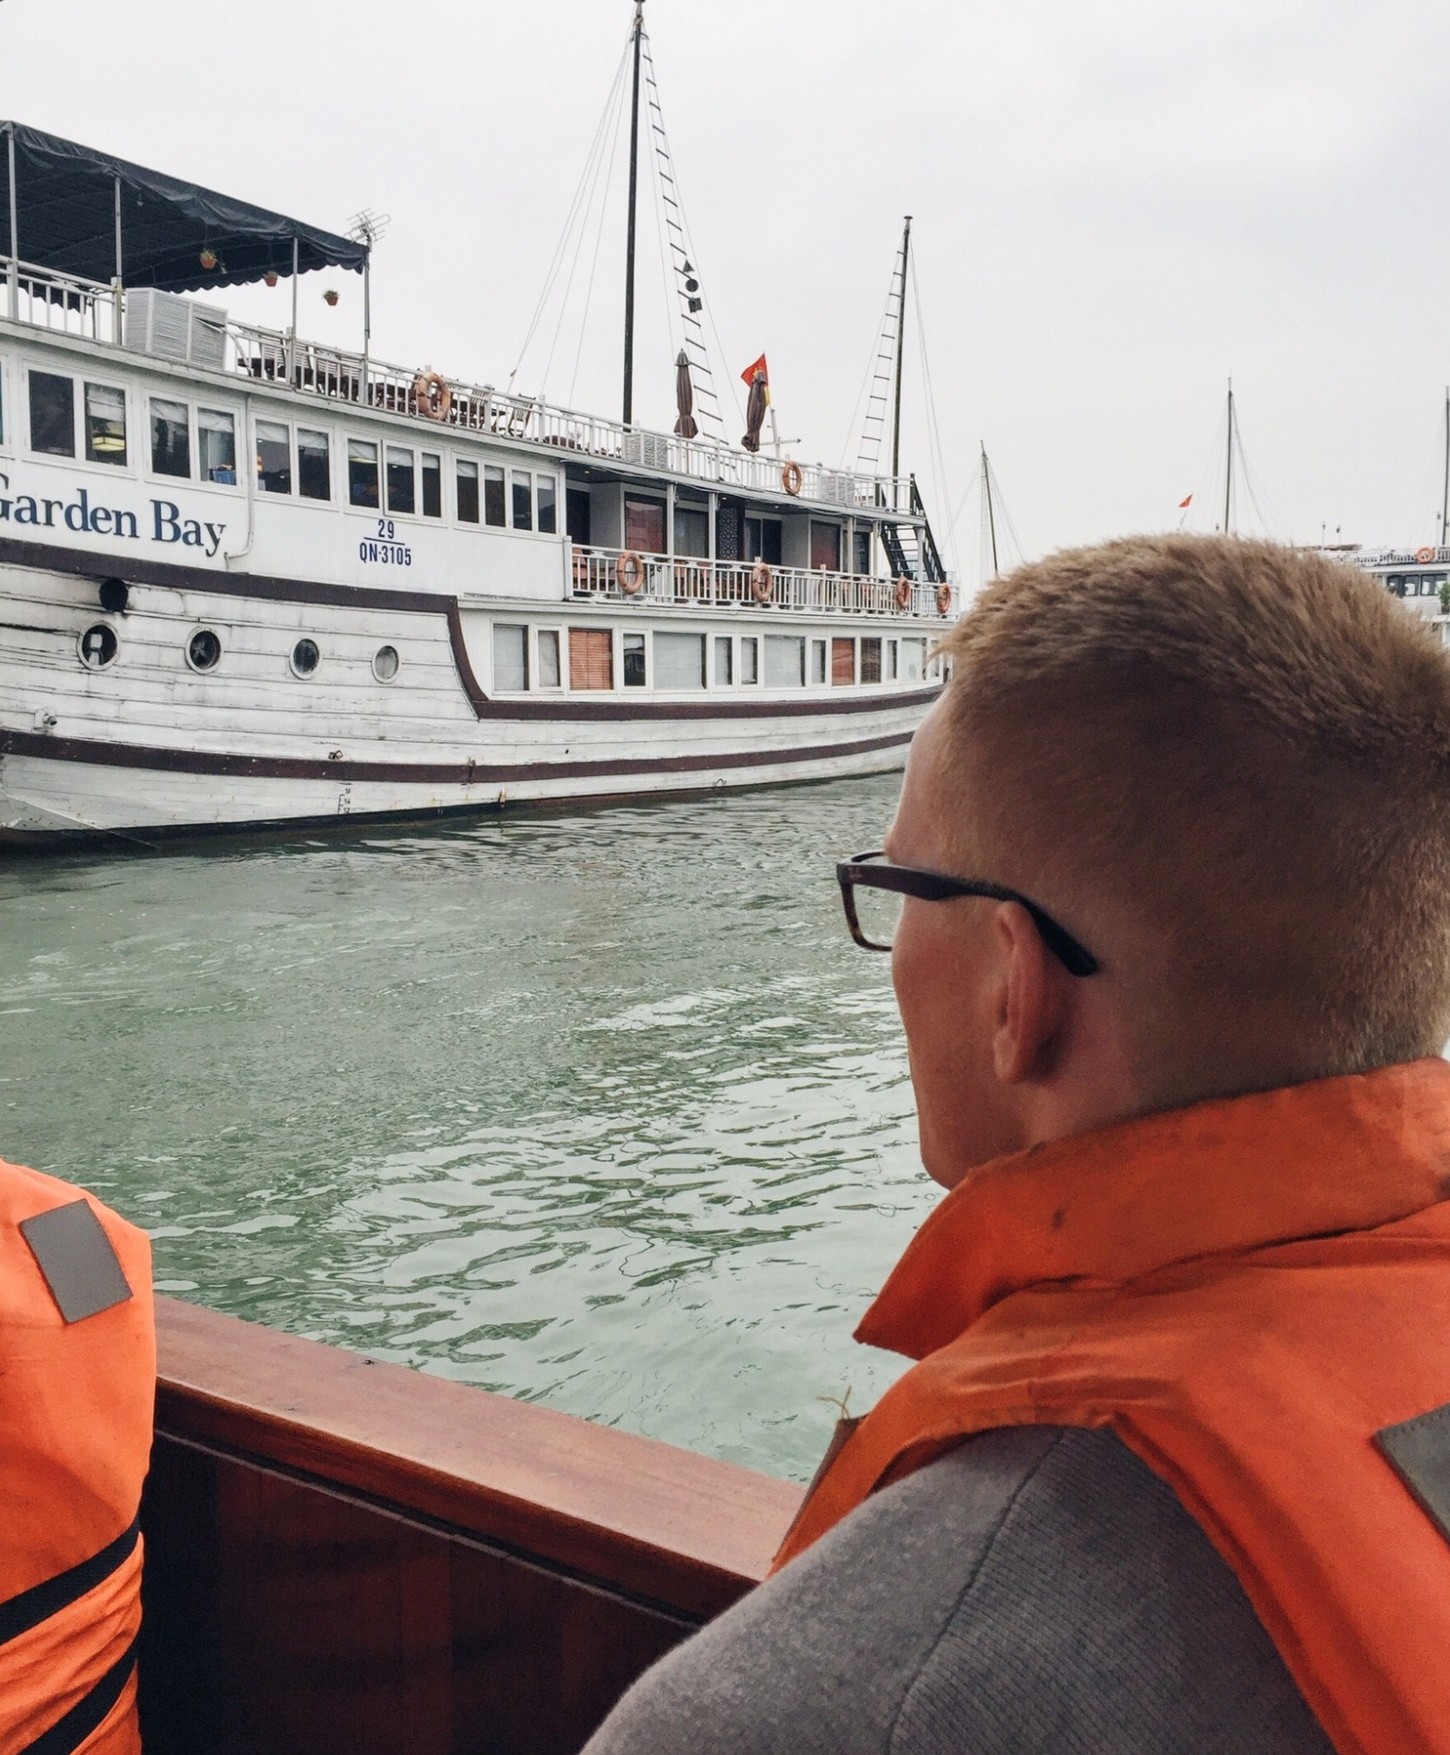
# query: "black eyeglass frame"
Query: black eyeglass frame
{"points": [[936, 886]]}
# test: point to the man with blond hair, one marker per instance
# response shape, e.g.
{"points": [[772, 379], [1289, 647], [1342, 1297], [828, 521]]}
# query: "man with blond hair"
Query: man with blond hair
{"points": [[1168, 902]]}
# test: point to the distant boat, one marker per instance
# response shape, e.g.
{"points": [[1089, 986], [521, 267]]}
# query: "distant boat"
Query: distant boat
{"points": [[248, 579]]}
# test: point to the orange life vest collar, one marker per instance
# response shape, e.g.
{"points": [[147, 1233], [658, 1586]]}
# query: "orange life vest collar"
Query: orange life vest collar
{"points": [[1252, 1294], [1345, 1154]]}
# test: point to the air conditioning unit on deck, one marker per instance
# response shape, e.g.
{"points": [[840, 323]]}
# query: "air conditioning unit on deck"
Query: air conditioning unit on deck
{"points": [[652, 450], [174, 328]]}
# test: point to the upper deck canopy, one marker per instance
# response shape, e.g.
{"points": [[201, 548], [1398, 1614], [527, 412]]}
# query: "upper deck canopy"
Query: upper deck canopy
{"points": [[65, 212]]}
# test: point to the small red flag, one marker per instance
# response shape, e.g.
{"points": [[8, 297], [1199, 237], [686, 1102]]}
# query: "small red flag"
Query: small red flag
{"points": [[748, 375], [1187, 502]]}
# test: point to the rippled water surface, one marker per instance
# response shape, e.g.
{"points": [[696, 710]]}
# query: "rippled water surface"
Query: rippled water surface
{"points": [[603, 1110]]}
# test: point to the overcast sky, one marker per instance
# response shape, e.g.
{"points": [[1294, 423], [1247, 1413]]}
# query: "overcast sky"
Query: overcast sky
{"points": [[1116, 204]]}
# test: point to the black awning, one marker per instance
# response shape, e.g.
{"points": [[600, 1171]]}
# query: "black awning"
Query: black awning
{"points": [[65, 203]]}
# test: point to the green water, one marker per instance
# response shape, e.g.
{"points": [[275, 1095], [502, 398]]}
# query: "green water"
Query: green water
{"points": [[601, 1110]]}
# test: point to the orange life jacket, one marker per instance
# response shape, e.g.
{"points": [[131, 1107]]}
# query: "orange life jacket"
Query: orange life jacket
{"points": [[76, 1401], [1253, 1294]]}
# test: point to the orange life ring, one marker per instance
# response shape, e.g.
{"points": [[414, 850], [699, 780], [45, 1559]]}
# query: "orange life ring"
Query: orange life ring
{"points": [[432, 395], [629, 573], [1424, 555], [762, 582], [903, 592], [791, 478], [943, 599]]}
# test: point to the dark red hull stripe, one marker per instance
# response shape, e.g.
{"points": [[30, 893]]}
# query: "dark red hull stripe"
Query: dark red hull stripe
{"points": [[174, 577], [121, 755]]}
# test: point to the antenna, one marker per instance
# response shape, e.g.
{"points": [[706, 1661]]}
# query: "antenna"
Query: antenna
{"points": [[367, 227]]}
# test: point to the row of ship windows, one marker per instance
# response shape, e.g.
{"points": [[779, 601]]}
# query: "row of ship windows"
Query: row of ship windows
{"points": [[200, 444], [525, 657], [593, 658]]}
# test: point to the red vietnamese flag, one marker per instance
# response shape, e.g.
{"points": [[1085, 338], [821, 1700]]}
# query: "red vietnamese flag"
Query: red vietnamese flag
{"points": [[1187, 502], [748, 375]]}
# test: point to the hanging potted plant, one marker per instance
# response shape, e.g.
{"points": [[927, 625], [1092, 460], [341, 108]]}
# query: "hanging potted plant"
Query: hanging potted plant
{"points": [[207, 258], [270, 277], [330, 296]]}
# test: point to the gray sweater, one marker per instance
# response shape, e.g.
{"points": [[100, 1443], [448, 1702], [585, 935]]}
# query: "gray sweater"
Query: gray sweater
{"points": [[1039, 1589]]}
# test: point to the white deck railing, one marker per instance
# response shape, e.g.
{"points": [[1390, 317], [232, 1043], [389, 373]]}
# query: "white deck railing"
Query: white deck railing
{"points": [[66, 304], [665, 579]]}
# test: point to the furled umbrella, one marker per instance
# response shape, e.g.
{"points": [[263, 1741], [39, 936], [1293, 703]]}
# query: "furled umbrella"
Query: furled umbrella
{"points": [[755, 409], [685, 427]]}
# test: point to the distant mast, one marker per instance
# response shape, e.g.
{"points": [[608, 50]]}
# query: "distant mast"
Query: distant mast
{"points": [[1445, 494], [629, 240], [1228, 479], [900, 344], [991, 515]]}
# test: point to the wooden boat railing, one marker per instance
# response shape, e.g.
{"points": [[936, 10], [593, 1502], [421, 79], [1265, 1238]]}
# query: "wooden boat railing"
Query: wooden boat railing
{"points": [[348, 1555]]}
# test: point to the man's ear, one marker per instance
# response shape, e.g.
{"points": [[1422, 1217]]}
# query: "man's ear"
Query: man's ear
{"points": [[1031, 997]]}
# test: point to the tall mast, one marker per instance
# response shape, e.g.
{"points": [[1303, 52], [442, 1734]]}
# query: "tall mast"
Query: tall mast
{"points": [[991, 515], [629, 242], [1445, 496], [1228, 479], [900, 343]]}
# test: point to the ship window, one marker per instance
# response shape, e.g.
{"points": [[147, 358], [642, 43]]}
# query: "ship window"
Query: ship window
{"points": [[679, 661], [818, 661], [493, 495], [510, 658], [785, 661], [644, 526], [98, 646], [861, 551], [385, 663], [170, 438], [305, 657], [692, 532], [591, 658], [913, 660], [724, 672], [762, 540], [216, 446], [843, 663], [467, 482], [274, 458], [52, 415], [548, 504], [432, 470], [105, 424], [633, 651], [891, 661], [314, 465], [825, 547], [203, 649], [362, 474], [550, 676], [523, 500], [400, 480], [870, 660], [750, 660]]}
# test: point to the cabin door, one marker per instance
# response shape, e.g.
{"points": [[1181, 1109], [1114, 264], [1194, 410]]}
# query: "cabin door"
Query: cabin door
{"points": [[644, 526]]}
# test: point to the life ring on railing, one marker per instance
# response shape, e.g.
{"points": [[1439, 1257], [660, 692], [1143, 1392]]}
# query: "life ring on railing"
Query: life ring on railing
{"points": [[432, 395], [903, 592], [943, 599], [791, 478], [629, 573], [762, 582], [1424, 555]]}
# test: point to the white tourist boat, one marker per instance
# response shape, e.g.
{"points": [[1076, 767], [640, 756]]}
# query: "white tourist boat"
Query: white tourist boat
{"points": [[246, 579]]}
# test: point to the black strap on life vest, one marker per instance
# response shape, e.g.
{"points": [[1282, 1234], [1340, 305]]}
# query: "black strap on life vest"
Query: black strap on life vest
{"points": [[67, 1734], [20, 1613]]}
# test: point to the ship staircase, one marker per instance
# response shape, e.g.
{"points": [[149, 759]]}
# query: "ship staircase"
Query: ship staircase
{"points": [[911, 548]]}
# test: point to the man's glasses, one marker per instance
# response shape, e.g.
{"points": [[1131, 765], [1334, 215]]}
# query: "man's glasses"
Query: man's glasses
{"points": [[873, 889]]}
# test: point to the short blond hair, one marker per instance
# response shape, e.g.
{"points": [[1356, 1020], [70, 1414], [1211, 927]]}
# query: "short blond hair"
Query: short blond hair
{"points": [[1228, 763]]}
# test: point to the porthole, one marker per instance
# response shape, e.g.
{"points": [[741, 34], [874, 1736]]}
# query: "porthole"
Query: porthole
{"points": [[305, 657], [385, 663], [203, 649], [98, 646]]}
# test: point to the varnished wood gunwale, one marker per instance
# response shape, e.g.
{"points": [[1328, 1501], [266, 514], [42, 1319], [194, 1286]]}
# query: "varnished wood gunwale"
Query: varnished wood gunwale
{"points": [[661, 1523]]}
